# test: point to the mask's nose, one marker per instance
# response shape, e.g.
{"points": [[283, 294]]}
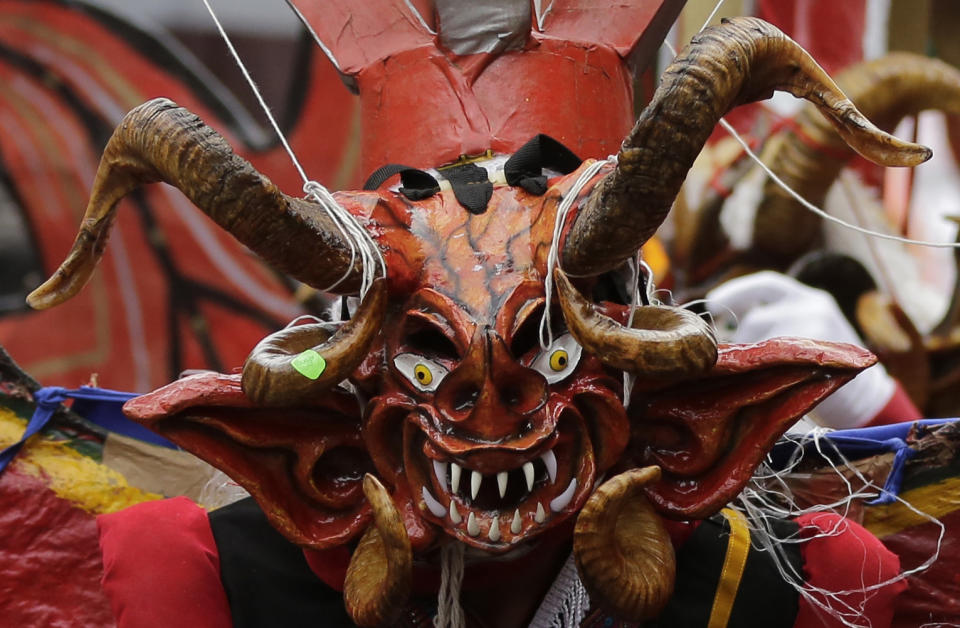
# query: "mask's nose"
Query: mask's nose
{"points": [[490, 396]]}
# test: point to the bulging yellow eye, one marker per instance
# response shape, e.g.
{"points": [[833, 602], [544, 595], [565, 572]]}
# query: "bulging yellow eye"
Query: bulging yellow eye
{"points": [[559, 360], [423, 374]]}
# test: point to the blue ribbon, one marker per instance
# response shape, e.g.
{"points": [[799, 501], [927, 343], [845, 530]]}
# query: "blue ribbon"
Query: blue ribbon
{"points": [[891, 488], [98, 405], [863, 442]]}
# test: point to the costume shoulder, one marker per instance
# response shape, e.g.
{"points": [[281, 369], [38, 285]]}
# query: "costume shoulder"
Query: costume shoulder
{"points": [[161, 566], [169, 563]]}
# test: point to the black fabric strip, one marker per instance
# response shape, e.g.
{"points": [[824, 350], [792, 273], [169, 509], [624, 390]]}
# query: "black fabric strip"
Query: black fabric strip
{"points": [[763, 598], [470, 182], [266, 577], [471, 186], [415, 184], [699, 563], [525, 167]]}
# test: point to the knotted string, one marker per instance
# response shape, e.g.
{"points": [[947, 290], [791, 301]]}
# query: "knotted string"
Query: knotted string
{"points": [[354, 234], [553, 255]]}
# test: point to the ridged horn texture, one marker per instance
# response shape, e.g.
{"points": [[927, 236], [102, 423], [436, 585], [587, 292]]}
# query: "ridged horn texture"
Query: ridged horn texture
{"points": [[269, 377], [378, 579], [740, 61], [662, 342], [159, 141], [622, 549], [811, 155]]}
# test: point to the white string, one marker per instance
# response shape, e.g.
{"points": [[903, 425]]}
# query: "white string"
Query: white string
{"points": [[710, 18], [553, 260], [769, 496], [355, 235], [449, 612], [816, 210], [629, 377], [807, 204]]}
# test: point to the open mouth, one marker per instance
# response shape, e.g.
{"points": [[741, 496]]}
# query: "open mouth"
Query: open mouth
{"points": [[495, 510]]}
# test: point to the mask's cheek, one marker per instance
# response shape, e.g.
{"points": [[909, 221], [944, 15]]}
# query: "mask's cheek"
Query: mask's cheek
{"points": [[384, 431]]}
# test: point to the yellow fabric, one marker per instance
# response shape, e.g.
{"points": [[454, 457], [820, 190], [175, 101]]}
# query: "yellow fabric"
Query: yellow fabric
{"points": [[79, 479], [738, 546], [936, 500]]}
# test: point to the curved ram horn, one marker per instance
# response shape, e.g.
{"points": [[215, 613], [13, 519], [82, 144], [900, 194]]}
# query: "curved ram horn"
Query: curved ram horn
{"points": [[662, 342], [381, 567], [159, 141], [812, 154], [272, 375], [739, 61], [622, 549]]}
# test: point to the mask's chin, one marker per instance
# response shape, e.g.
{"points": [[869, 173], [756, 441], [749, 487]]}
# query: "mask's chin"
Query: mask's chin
{"points": [[500, 510]]}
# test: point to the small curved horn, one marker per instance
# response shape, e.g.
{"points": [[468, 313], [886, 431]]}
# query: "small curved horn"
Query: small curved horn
{"points": [[622, 549], [663, 341], [272, 375], [159, 141], [739, 61], [381, 568], [812, 154]]}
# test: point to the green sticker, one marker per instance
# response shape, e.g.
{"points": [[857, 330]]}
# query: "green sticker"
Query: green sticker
{"points": [[310, 364]]}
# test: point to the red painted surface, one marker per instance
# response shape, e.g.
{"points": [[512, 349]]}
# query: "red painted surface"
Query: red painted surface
{"points": [[424, 106]]}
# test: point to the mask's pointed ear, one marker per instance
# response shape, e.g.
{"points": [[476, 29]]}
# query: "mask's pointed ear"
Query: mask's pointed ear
{"points": [[709, 434], [304, 466]]}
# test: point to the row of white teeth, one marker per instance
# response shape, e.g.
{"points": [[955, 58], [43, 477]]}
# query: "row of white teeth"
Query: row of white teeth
{"points": [[516, 524], [476, 478], [493, 532]]}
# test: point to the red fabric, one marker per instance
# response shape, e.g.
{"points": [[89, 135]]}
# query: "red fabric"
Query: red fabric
{"points": [[899, 409], [161, 566], [853, 559]]}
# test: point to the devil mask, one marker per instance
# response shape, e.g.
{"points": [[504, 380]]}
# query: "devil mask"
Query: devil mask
{"points": [[436, 413]]}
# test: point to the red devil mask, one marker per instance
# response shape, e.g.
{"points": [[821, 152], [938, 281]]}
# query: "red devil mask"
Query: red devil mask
{"points": [[439, 388]]}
